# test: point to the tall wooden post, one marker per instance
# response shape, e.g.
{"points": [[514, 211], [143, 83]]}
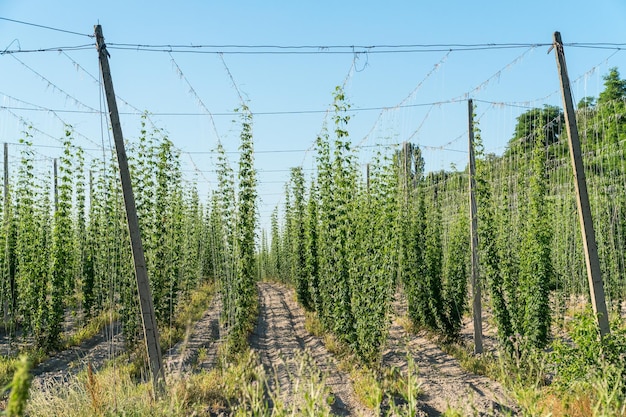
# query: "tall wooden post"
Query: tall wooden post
{"points": [[367, 177], [56, 186], [9, 254], [6, 218], [6, 177], [476, 292], [406, 171], [150, 330], [594, 274], [90, 188]]}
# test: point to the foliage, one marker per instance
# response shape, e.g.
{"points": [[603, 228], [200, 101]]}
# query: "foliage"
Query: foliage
{"points": [[535, 261], [518, 266], [374, 257], [549, 118], [276, 250], [240, 286], [32, 268], [336, 176], [298, 267], [311, 249], [614, 87], [410, 224], [63, 259], [456, 276], [19, 388], [588, 354]]}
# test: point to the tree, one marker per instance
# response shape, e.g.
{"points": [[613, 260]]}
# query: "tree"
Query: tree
{"points": [[610, 124], [586, 103], [549, 119], [614, 87]]}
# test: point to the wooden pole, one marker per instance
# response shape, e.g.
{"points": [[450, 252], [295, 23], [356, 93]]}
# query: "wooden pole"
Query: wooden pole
{"points": [[476, 292], [9, 254], [151, 332], [367, 177], [6, 219], [6, 177], [56, 186], [406, 170], [594, 274]]}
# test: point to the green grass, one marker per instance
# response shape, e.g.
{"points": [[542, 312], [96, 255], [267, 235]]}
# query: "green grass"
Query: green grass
{"points": [[91, 329], [190, 310], [485, 364]]}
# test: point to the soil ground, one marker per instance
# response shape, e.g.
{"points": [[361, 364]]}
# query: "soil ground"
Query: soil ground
{"points": [[199, 348], [106, 345], [280, 338], [443, 382]]}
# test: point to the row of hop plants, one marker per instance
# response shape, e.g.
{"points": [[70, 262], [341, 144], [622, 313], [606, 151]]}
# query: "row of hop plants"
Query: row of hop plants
{"points": [[354, 242], [346, 243], [232, 237], [530, 241], [67, 252]]}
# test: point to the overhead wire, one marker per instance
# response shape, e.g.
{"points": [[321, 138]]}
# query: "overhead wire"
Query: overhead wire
{"points": [[55, 87], [21, 22], [136, 109], [13, 52], [403, 102], [193, 92], [53, 112], [322, 50], [349, 49], [384, 108], [255, 113]]}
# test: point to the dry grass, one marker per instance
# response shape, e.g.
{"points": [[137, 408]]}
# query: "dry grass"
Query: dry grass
{"points": [[7, 369], [484, 364], [571, 405], [372, 387], [239, 387]]}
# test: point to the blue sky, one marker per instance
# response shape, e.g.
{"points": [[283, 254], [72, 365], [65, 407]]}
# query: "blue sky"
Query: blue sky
{"points": [[279, 83]]}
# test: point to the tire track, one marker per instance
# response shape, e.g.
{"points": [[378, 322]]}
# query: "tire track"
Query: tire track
{"points": [[279, 336], [108, 344], [204, 337], [444, 383]]}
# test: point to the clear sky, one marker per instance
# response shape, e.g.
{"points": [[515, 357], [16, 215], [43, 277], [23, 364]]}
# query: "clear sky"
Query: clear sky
{"points": [[298, 83]]}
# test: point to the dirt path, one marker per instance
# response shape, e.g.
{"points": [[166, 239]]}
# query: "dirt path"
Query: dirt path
{"points": [[444, 383], [108, 344], [278, 338], [198, 351]]}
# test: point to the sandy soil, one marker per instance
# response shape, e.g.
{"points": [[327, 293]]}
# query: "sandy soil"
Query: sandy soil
{"points": [[203, 337], [279, 336], [104, 346], [109, 343], [444, 383]]}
